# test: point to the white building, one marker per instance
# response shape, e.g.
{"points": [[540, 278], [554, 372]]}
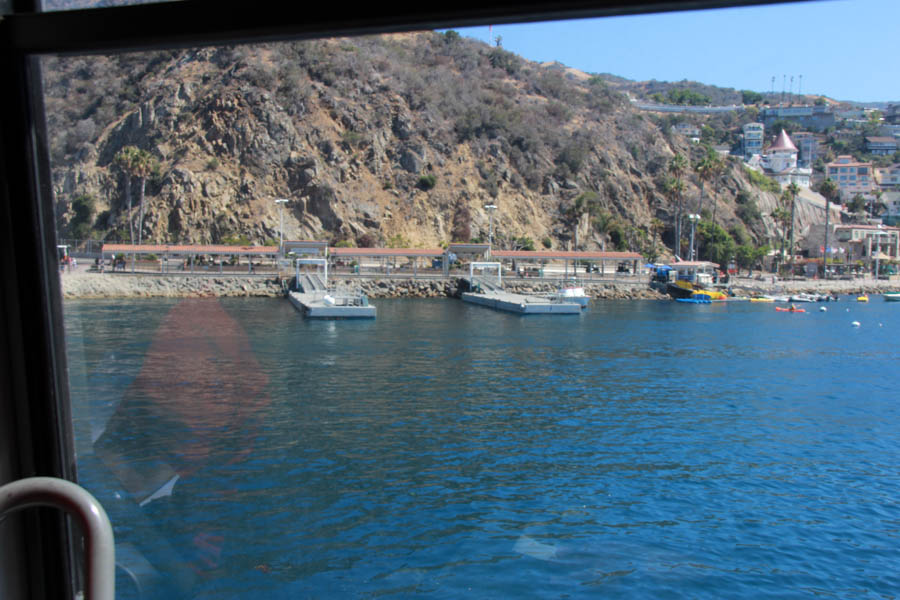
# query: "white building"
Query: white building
{"points": [[780, 163], [754, 133]]}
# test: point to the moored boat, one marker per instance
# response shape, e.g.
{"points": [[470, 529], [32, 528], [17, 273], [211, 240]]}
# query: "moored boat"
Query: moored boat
{"points": [[891, 296], [863, 298], [570, 292]]}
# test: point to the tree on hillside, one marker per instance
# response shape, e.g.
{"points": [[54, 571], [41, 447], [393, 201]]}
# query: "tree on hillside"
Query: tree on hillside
{"points": [[857, 206], [707, 169], [144, 166], [792, 190], [877, 206], [719, 167], [751, 97], [674, 191], [124, 160], [677, 167], [830, 190], [782, 217]]}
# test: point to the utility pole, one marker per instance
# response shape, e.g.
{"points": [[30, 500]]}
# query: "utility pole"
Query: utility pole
{"points": [[693, 218], [490, 208], [281, 202]]}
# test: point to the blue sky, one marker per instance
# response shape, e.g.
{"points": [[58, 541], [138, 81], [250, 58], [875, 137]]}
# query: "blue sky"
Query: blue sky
{"points": [[845, 49]]}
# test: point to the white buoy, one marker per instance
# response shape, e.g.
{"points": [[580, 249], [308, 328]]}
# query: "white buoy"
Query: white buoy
{"points": [[822, 309], [854, 324], [328, 300]]}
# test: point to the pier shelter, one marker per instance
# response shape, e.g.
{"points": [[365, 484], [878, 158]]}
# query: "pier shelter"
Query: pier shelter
{"points": [[305, 247], [567, 263], [184, 257], [413, 261]]}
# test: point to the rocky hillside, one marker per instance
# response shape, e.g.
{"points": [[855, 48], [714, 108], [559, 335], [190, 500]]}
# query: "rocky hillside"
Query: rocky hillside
{"points": [[390, 140]]}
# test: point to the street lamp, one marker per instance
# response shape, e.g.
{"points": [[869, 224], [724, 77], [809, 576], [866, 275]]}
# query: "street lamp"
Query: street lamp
{"points": [[281, 202], [490, 208], [693, 218]]}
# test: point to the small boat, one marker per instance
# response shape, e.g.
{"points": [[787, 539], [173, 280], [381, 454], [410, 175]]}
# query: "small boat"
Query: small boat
{"points": [[711, 294], [805, 297], [570, 293], [892, 296], [696, 299], [863, 298], [762, 299], [792, 309]]}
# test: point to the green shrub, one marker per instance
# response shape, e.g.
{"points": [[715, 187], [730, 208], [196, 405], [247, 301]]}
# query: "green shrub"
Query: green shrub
{"points": [[547, 242], [763, 182], [427, 182]]}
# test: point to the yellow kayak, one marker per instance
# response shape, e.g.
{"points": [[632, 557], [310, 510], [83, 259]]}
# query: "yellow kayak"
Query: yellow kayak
{"points": [[762, 300], [862, 298]]}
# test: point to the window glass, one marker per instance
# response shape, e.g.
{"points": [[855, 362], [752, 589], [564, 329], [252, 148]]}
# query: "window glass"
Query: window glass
{"points": [[443, 448]]}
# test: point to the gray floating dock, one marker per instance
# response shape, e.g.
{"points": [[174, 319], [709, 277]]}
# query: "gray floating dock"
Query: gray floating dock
{"points": [[314, 305], [521, 304]]}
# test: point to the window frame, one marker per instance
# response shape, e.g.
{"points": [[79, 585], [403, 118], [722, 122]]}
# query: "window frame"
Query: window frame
{"points": [[34, 401]]}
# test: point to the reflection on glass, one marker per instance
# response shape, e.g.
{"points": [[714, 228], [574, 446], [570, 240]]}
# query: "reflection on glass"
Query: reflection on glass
{"points": [[54, 5], [189, 416]]}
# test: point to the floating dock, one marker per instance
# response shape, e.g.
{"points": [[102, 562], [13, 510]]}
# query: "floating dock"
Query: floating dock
{"points": [[490, 293], [521, 304], [321, 305], [315, 301]]}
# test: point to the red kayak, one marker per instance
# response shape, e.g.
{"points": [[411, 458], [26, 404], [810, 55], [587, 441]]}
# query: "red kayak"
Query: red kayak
{"points": [[779, 309]]}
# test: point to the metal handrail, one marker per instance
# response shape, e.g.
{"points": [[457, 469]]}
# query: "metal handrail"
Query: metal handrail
{"points": [[100, 568]]}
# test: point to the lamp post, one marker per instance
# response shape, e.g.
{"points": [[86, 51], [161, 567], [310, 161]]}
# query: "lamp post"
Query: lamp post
{"points": [[281, 202], [693, 218], [490, 208]]}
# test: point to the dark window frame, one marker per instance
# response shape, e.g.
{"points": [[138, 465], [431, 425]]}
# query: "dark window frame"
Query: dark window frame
{"points": [[34, 398]]}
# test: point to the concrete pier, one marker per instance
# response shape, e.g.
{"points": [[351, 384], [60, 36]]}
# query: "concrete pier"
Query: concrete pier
{"points": [[521, 304]]}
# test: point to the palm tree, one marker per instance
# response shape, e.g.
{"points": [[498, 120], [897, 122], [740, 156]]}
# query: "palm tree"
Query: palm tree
{"points": [[830, 190], [144, 165], [792, 190], [707, 168], [674, 190], [719, 167], [677, 166], [124, 161], [704, 168], [877, 206], [781, 216]]}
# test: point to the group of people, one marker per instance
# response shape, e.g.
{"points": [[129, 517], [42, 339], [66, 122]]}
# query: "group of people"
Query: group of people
{"points": [[115, 263]]}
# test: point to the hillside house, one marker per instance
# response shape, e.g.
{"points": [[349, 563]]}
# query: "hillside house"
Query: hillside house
{"points": [[780, 162], [851, 176], [752, 139], [888, 178], [815, 117], [881, 145], [849, 243]]}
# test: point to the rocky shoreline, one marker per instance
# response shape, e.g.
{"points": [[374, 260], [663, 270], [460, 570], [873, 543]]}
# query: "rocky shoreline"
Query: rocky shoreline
{"points": [[87, 284]]}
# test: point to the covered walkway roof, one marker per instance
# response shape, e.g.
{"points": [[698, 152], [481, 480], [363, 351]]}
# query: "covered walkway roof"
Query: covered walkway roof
{"points": [[217, 249], [410, 252], [565, 255]]}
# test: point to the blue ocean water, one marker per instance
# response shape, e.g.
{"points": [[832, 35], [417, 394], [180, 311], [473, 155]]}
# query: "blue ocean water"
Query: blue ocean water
{"points": [[642, 449]]}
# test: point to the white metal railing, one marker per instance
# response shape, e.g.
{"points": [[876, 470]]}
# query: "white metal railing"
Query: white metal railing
{"points": [[100, 568]]}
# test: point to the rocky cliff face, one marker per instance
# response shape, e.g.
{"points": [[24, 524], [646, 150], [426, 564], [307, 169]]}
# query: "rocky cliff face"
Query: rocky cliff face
{"points": [[391, 140]]}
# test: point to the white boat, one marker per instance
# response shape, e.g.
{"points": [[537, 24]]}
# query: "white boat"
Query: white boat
{"points": [[570, 292], [804, 297]]}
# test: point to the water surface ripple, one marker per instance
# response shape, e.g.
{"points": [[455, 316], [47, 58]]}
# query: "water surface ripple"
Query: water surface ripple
{"points": [[642, 449]]}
